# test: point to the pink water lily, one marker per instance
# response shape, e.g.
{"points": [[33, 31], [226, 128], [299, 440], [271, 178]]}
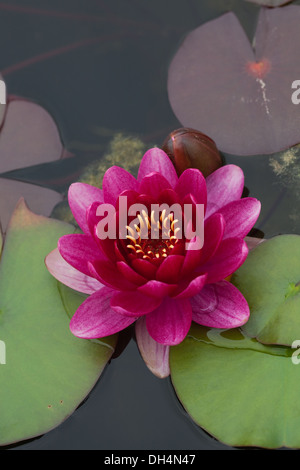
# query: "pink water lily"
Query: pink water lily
{"points": [[162, 285]]}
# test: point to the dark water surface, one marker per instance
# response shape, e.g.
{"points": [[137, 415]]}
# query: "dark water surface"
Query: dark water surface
{"points": [[100, 67]]}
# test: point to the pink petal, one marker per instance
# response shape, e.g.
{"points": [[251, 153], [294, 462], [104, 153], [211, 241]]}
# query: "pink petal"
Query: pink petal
{"points": [[107, 273], [157, 289], [156, 160], [130, 274], [192, 257], [188, 289], [169, 269], [29, 136], [153, 184], [170, 322], [168, 196], [133, 304], [155, 355], [78, 249], [145, 268], [253, 242], [96, 319], [191, 181], [229, 308], [230, 255], [223, 186], [115, 181], [71, 277], [214, 228], [240, 216], [80, 197]]}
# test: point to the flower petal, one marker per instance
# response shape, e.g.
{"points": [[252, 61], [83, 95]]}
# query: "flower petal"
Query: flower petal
{"points": [[169, 269], [80, 197], [240, 216], [230, 255], [157, 289], [157, 160], [192, 257], [71, 277], [144, 268], [115, 181], [252, 242], [170, 322], [223, 186], [229, 308], [155, 355], [192, 181], [107, 273], [189, 289], [130, 274], [214, 228], [95, 318], [77, 249], [153, 184], [133, 304]]}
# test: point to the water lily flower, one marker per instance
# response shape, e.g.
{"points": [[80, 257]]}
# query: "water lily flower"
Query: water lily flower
{"points": [[160, 284]]}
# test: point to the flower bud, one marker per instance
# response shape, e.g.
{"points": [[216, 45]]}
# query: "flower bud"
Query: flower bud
{"points": [[188, 148]]}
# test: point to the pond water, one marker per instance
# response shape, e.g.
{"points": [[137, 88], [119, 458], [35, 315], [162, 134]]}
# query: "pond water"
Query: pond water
{"points": [[100, 68]]}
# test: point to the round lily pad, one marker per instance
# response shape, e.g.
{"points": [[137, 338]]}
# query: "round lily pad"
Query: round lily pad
{"points": [[240, 391], [270, 281], [48, 372]]}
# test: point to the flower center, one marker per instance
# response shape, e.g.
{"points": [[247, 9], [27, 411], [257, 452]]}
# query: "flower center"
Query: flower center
{"points": [[153, 239]]}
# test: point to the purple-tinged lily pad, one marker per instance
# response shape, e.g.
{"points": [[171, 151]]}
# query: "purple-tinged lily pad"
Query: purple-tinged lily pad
{"points": [[29, 136], [270, 3], [40, 200], [238, 96]]}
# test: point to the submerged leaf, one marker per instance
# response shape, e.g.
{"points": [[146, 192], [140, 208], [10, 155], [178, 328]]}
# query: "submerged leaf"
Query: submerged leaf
{"points": [[240, 97], [48, 372]]}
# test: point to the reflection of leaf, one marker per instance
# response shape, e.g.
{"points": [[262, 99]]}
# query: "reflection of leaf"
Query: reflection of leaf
{"points": [[240, 98], [48, 372], [242, 392], [268, 280], [28, 136]]}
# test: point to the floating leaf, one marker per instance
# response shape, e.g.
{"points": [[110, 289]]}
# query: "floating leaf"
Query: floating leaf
{"points": [[29, 136], [48, 372], [269, 280], [240, 97], [270, 3], [240, 391], [40, 200]]}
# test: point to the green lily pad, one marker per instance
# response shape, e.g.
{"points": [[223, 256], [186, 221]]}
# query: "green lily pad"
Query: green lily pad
{"points": [[269, 280], [48, 372], [240, 391]]}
